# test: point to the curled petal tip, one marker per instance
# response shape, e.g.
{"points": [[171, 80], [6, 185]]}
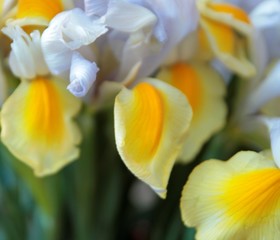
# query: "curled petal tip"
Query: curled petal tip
{"points": [[82, 75], [76, 88], [161, 192]]}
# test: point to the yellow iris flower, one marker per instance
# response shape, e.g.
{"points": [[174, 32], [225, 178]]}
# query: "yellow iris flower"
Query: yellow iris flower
{"points": [[37, 118], [151, 122], [237, 199], [37, 124], [204, 89], [226, 33], [32, 12]]}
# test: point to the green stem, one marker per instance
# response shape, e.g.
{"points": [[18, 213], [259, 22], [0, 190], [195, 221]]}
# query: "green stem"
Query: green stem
{"points": [[44, 191]]}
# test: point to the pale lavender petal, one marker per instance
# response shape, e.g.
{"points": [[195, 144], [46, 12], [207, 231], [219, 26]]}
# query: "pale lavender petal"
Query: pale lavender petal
{"points": [[267, 90], [79, 4], [82, 75], [128, 17], [273, 125], [246, 5], [96, 7], [78, 29], [68, 31], [176, 19], [58, 56], [266, 18], [132, 52], [259, 52], [225, 73]]}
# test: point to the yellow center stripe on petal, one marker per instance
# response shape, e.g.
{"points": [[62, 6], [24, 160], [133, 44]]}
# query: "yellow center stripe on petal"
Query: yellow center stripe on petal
{"points": [[227, 8], [45, 9], [224, 35], [43, 115], [185, 79], [151, 121], [250, 197], [146, 122], [1, 7], [203, 41]]}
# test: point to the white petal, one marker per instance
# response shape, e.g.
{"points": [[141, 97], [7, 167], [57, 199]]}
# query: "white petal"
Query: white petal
{"points": [[127, 17], [6, 6], [37, 53], [79, 4], [175, 20], [82, 75], [185, 50], [132, 53], [267, 90], [259, 52], [68, 31], [247, 5], [96, 7], [78, 29], [273, 125], [265, 13], [225, 73], [58, 56], [26, 58], [266, 18]]}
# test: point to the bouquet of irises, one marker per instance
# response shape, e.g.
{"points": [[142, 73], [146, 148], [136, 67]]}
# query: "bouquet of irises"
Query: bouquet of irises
{"points": [[118, 118]]}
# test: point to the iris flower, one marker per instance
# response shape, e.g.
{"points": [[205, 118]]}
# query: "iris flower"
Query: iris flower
{"points": [[236, 199], [204, 89], [134, 31], [227, 33], [151, 122], [240, 198], [37, 118], [151, 116]]}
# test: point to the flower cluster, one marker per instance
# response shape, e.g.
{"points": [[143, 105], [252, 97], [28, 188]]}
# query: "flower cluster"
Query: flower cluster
{"points": [[239, 198], [166, 66]]}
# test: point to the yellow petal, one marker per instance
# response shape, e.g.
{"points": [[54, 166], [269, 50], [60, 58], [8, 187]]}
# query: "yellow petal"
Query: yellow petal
{"points": [[238, 199], [1, 7], [3, 83], [151, 122], [230, 35], [46, 9], [223, 35], [205, 90], [37, 125], [34, 12], [7, 10], [225, 13], [237, 13], [185, 78], [204, 50]]}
